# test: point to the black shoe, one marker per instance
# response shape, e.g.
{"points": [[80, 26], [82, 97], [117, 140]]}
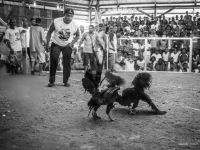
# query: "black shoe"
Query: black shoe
{"points": [[67, 84], [51, 84], [32, 72]]}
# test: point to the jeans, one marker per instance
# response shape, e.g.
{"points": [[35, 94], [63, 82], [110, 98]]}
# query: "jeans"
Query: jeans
{"points": [[54, 56]]}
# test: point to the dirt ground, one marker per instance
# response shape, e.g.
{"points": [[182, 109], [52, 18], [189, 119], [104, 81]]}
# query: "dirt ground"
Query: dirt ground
{"points": [[33, 116]]}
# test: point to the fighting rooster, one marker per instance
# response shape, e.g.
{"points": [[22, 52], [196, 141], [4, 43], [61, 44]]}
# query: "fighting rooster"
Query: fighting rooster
{"points": [[133, 95], [107, 96]]}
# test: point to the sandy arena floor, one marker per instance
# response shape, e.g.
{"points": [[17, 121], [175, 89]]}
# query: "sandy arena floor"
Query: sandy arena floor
{"points": [[33, 116]]}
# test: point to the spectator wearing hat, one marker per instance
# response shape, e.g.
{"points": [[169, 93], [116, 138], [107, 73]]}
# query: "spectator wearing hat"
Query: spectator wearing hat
{"points": [[66, 33], [37, 42]]}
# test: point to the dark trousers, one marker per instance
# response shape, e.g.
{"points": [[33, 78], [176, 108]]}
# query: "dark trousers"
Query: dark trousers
{"points": [[54, 56]]}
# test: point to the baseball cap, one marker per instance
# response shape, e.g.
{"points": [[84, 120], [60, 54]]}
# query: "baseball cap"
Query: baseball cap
{"points": [[69, 11]]}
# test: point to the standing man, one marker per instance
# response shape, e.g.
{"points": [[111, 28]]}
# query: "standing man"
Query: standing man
{"points": [[89, 39], [66, 33], [37, 42], [25, 37], [100, 44], [112, 43], [12, 36]]}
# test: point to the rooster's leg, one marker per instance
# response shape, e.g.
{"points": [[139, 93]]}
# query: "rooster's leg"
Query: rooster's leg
{"points": [[133, 110], [95, 113], [109, 107], [147, 99]]}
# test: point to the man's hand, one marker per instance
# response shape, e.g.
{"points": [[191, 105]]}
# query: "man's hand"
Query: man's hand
{"points": [[70, 45], [47, 48]]}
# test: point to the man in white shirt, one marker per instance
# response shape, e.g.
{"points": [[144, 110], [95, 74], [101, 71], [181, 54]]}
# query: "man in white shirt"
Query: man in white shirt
{"points": [[12, 35], [112, 43], [66, 33], [157, 55]]}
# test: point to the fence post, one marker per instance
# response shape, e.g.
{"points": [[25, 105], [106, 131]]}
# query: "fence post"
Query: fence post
{"points": [[107, 53], [190, 55], [145, 54]]}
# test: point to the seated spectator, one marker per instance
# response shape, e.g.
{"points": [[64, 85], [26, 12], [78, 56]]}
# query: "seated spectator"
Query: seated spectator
{"points": [[148, 55], [152, 63], [129, 63], [196, 61], [157, 55], [142, 25], [136, 48], [159, 32], [175, 55], [171, 65], [146, 34], [162, 44], [160, 65], [154, 26], [166, 56], [140, 63], [183, 60], [119, 61]]}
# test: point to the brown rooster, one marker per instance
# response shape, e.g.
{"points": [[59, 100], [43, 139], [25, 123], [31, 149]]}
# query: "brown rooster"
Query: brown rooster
{"points": [[135, 94]]}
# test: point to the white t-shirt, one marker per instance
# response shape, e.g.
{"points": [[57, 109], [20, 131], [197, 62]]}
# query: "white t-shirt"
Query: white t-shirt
{"points": [[140, 63], [136, 46], [148, 48], [142, 26], [165, 56], [13, 35], [158, 56], [129, 65], [175, 56], [23, 37], [64, 33]]}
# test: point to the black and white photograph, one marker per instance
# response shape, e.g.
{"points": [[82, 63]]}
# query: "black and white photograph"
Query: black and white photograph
{"points": [[99, 75]]}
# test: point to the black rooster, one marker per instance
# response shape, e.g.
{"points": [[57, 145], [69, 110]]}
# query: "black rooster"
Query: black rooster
{"points": [[107, 97], [133, 95]]}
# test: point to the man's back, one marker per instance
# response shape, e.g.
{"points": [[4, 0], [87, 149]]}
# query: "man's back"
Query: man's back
{"points": [[36, 38]]}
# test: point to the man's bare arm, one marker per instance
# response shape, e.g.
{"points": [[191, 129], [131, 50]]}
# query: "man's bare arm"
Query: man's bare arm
{"points": [[51, 29], [76, 37]]}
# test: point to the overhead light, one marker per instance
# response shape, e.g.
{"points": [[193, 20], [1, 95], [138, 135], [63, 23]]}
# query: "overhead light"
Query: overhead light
{"points": [[58, 6], [34, 4]]}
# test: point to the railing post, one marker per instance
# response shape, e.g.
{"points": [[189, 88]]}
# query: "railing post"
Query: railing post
{"points": [[145, 54], [107, 53], [190, 55]]}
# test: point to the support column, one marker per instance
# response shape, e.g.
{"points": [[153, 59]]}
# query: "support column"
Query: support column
{"points": [[190, 56], [145, 55]]}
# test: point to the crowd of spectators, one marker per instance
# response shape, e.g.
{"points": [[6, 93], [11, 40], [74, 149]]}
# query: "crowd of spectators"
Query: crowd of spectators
{"points": [[162, 54]]}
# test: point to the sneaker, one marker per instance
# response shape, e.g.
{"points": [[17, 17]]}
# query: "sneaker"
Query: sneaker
{"points": [[51, 84], [67, 84]]}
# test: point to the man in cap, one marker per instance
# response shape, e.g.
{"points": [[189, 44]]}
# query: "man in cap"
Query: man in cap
{"points": [[66, 33]]}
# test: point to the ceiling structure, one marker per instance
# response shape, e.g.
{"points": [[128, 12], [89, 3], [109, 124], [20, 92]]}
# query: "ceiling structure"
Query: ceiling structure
{"points": [[115, 7]]}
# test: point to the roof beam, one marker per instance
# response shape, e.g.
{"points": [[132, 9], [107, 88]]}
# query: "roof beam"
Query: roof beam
{"points": [[166, 12], [117, 3], [138, 9]]}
